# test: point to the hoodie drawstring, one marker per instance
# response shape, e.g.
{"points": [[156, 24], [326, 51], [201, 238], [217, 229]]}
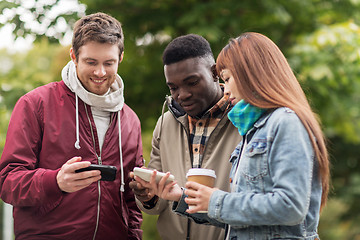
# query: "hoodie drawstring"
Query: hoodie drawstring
{"points": [[77, 143], [121, 159]]}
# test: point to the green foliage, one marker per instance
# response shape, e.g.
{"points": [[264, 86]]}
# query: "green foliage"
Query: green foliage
{"points": [[44, 22], [217, 20], [328, 64], [23, 72], [149, 227], [5, 117], [144, 81]]}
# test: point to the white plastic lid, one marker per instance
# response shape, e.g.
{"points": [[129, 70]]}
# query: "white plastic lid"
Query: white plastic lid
{"points": [[201, 171]]}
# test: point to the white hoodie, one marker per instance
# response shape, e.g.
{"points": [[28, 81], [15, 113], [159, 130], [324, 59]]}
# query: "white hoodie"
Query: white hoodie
{"points": [[112, 101]]}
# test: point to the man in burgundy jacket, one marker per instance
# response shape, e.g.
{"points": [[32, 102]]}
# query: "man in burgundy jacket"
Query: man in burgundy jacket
{"points": [[64, 126]]}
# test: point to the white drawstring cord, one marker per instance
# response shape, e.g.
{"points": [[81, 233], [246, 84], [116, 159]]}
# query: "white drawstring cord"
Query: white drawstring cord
{"points": [[122, 187], [77, 143]]}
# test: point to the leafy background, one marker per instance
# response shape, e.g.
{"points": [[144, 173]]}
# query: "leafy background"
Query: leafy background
{"points": [[320, 38]]}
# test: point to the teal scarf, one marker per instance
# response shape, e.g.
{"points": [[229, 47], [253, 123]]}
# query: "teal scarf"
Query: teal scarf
{"points": [[243, 115]]}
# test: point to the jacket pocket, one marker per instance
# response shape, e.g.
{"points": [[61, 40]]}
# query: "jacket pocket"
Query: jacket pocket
{"points": [[254, 162]]}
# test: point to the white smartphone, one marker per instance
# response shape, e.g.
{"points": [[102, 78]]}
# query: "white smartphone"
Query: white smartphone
{"points": [[145, 174]]}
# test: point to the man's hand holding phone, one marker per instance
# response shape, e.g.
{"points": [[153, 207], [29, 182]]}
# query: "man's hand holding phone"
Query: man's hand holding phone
{"points": [[75, 174], [108, 173], [156, 183], [69, 181]]}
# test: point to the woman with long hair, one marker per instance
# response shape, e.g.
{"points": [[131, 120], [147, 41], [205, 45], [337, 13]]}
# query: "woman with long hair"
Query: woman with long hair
{"points": [[280, 170]]}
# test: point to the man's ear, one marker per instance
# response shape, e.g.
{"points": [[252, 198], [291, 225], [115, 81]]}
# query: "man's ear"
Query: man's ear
{"points": [[214, 73], [121, 57], [72, 55]]}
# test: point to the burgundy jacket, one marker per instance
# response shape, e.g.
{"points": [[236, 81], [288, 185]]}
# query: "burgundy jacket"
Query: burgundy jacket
{"points": [[40, 139]]}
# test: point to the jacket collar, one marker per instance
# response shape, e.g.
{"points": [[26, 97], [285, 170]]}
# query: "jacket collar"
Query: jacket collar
{"points": [[174, 107], [258, 124], [262, 120]]}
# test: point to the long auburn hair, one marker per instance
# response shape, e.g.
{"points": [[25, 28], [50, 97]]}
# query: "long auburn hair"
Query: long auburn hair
{"points": [[264, 79]]}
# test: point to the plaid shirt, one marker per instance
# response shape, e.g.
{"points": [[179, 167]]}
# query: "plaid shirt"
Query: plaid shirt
{"points": [[201, 129]]}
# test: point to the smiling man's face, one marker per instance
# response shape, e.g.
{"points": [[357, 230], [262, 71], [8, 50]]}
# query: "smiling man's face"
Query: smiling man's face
{"points": [[97, 65]]}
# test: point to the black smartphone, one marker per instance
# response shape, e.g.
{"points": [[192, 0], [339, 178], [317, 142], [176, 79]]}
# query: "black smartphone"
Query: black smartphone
{"points": [[108, 173]]}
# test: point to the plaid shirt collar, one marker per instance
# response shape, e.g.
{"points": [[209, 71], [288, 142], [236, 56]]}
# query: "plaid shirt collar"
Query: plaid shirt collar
{"points": [[201, 129]]}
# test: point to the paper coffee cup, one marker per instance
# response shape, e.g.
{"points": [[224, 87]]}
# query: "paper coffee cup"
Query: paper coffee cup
{"points": [[203, 176]]}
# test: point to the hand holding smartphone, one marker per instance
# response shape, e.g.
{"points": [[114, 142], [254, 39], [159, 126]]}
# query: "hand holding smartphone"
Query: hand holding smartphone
{"points": [[108, 173], [145, 174]]}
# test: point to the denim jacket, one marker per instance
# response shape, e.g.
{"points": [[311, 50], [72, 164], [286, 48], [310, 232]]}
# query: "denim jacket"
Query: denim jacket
{"points": [[277, 193]]}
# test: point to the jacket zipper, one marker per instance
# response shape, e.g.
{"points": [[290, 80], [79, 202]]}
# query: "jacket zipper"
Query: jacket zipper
{"points": [[98, 183], [187, 136]]}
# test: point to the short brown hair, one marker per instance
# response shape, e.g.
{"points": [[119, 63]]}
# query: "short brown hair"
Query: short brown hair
{"points": [[98, 27]]}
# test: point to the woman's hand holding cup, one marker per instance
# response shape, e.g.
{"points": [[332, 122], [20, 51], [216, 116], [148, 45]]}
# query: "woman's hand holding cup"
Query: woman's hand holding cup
{"points": [[199, 189]]}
